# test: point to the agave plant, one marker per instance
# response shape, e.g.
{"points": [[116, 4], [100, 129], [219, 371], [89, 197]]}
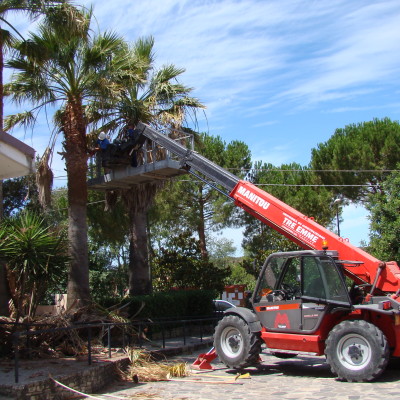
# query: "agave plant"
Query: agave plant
{"points": [[36, 257]]}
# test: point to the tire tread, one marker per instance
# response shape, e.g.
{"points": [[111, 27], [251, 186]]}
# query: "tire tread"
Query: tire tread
{"points": [[370, 329], [251, 357]]}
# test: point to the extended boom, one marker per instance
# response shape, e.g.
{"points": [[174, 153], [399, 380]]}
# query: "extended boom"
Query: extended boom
{"points": [[360, 266]]}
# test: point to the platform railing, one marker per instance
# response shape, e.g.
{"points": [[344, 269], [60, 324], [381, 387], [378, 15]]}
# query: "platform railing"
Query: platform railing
{"points": [[147, 153]]}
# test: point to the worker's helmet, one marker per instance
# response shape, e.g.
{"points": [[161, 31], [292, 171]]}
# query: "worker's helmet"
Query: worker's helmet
{"points": [[102, 135]]}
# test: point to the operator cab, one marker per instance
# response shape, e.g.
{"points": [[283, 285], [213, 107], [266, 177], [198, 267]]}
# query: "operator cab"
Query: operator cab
{"points": [[296, 289]]}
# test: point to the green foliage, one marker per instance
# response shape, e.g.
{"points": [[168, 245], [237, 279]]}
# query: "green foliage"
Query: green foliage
{"points": [[188, 203], [179, 265], [364, 150], [171, 304], [240, 276], [221, 248], [107, 281], [109, 227], [35, 256], [152, 96], [108, 248], [385, 220], [18, 194], [106, 274]]}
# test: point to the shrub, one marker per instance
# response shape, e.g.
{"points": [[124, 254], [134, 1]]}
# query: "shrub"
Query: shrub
{"points": [[173, 304]]}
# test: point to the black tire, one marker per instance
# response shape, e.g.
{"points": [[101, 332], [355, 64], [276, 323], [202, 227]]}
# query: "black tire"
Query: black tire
{"points": [[357, 351], [236, 346]]}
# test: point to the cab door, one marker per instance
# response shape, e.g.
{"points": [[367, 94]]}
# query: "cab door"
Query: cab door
{"points": [[323, 288], [294, 292], [277, 300]]}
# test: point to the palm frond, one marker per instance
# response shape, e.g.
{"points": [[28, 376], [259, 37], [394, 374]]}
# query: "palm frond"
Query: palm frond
{"points": [[7, 38], [32, 7], [68, 21], [24, 119]]}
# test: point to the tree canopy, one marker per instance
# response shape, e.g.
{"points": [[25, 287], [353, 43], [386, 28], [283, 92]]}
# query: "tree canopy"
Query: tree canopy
{"points": [[357, 158], [385, 220], [298, 187], [189, 203]]}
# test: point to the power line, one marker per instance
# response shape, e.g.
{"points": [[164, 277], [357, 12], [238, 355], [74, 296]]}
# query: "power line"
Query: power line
{"points": [[314, 170], [292, 184]]}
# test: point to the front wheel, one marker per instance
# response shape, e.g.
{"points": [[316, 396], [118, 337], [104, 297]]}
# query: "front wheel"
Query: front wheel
{"points": [[357, 351], [236, 346]]}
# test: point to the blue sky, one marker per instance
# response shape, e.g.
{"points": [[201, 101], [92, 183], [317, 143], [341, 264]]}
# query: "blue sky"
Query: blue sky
{"points": [[279, 75]]}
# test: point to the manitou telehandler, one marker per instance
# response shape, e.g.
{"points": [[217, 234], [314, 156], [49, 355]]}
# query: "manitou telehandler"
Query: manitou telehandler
{"points": [[331, 298]]}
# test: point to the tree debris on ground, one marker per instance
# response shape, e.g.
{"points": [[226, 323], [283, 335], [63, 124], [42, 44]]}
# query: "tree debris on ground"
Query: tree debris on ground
{"points": [[144, 368], [50, 336]]}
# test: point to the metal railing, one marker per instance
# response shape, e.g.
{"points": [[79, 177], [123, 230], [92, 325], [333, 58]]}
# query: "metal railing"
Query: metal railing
{"points": [[182, 329], [147, 153]]}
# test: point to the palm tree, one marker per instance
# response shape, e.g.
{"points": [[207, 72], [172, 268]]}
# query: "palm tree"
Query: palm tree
{"points": [[33, 9], [69, 68], [158, 99]]}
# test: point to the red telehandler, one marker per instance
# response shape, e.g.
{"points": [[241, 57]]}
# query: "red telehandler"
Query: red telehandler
{"points": [[331, 298]]}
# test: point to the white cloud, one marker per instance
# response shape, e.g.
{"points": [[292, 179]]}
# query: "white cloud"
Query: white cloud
{"points": [[268, 52], [257, 61]]}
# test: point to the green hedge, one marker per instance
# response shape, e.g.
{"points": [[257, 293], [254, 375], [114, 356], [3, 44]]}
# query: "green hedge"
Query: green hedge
{"points": [[173, 304]]}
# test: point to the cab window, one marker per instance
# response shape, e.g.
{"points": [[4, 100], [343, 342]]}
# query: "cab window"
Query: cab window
{"points": [[269, 279], [321, 280]]}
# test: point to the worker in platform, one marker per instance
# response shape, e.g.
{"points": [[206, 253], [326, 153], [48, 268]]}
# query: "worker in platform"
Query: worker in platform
{"points": [[102, 151], [102, 145], [132, 136], [131, 132]]}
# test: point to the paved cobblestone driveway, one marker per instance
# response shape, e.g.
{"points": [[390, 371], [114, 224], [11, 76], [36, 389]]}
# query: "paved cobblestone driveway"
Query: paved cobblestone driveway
{"points": [[298, 378]]}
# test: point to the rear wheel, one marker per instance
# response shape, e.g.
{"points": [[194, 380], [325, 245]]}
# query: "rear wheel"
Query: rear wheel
{"points": [[236, 346], [357, 351]]}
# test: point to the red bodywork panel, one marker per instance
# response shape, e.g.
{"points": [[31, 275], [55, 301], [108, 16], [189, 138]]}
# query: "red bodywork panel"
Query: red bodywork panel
{"points": [[293, 341], [310, 235]]}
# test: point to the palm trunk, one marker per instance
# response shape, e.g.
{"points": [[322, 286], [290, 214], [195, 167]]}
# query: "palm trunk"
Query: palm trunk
{"points": [[139, 268], [76, 165], [138, 201]]}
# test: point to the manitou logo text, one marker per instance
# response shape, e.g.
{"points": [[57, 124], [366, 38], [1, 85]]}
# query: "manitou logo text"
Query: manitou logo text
{"points": [[253, 197]]}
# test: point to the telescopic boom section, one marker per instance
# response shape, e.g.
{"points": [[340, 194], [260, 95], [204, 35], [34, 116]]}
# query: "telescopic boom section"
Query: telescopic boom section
{"points": [[303, 230]]}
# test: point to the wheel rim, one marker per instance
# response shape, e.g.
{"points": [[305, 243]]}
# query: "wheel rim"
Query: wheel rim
{"points": [[231, 342], [354, 351]]}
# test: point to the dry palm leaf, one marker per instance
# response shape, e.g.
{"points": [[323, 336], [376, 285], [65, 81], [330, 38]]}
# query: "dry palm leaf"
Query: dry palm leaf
{"points": [[145, 369], [44, 179]]}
